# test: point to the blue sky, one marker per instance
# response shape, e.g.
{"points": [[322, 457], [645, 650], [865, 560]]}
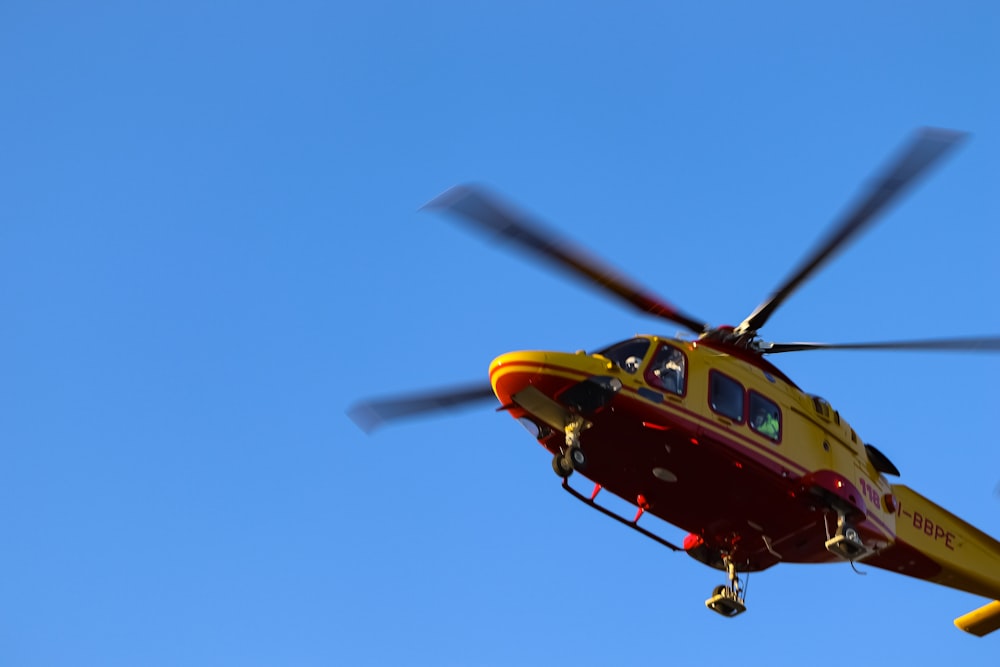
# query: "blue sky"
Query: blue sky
{"points": [[211, 247]]}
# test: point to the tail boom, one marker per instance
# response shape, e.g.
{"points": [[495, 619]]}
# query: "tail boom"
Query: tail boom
{"points": [[935, 545]]}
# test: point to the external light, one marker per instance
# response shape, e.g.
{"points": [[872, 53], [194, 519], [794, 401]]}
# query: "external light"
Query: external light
{"points": [[530, 426]]}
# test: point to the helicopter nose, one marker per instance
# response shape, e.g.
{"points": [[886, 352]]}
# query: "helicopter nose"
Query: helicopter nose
{"points": [[549, 372], [515, 371]]}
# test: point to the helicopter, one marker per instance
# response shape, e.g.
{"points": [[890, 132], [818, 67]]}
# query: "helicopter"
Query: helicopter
{"points": [[705, 433]]}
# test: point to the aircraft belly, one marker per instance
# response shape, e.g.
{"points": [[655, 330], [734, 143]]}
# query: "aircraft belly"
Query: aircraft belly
{"points": [[711, 479], [701, 484]]}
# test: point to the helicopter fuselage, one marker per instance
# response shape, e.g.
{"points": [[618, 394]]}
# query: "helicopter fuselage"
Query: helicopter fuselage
{"points": [[729, 449], [709, 436]]}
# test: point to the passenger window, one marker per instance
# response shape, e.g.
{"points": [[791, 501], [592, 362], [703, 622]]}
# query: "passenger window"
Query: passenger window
{"points": [[726, 396], [668, 370], [765, 417], [628, 354]]}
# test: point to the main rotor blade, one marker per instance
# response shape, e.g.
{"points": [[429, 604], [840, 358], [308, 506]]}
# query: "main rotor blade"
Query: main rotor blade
{"points": [[924, 149], [485, 212], [369, 415], [982, 344]]}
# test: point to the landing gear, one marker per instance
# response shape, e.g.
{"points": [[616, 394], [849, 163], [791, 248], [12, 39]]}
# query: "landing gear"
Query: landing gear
{"points": [[571, 457], [569, 460], [846, 542], [728, 600], [561, 466]]}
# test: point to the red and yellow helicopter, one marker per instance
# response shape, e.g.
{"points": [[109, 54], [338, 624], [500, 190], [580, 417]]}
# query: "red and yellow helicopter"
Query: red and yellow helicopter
{"points": [[708, 435]]}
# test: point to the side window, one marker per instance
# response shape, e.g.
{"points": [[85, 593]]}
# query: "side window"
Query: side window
{"points": [[765, 417], [668, 370], [628, 354], [725, 396]]}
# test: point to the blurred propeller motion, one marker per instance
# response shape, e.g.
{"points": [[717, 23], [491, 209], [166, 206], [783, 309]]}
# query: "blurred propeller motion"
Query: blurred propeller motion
{"points": [[486, 213]]}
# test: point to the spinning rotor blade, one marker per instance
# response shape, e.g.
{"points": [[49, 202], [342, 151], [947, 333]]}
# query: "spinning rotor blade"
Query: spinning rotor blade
{"points": [[485, 212], [985, 344], [369, 415], [924, 149]]}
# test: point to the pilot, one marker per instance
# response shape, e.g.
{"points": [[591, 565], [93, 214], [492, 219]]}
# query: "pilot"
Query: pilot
{"points": [[669, 370], [766, 422]]}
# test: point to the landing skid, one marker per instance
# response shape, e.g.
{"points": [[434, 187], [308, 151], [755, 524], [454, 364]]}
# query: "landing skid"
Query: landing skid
{"points": [[631, 523]]}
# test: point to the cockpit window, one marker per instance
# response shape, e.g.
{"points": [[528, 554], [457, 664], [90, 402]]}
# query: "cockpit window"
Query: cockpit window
{"points": [[668, 370], [725, 396], [765, 417], [628, 354]]}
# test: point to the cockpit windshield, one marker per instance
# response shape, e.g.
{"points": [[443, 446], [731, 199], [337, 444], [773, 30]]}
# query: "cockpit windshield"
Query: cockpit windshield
{"points": [[627, 355], [668, 370]]}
